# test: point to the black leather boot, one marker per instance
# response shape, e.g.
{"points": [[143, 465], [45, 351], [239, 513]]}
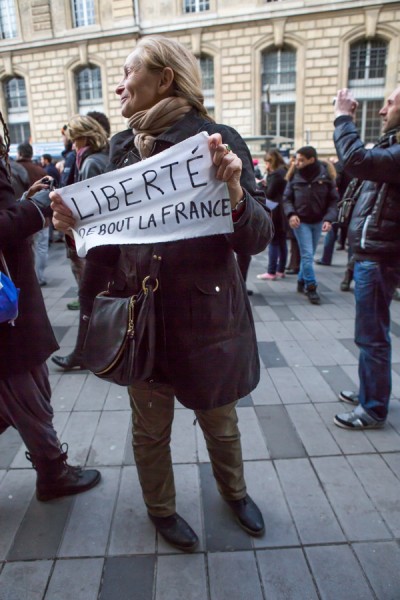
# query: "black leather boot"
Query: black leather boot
{"points": [[248, 515], [75, 359], [347, 279], [56, 478], [176, 531]]}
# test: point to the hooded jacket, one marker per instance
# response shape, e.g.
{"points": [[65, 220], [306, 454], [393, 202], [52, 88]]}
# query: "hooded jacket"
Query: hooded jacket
{"points": [[312, 200], [374, 230]]}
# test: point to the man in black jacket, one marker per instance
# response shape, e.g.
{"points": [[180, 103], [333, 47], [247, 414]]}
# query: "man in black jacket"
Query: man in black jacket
{"points": [[310, 204], [374, 235], [24, 347]]}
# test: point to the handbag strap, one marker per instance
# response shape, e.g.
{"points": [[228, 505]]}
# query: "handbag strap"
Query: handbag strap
{"points": [[4, 264], [151, 280]]}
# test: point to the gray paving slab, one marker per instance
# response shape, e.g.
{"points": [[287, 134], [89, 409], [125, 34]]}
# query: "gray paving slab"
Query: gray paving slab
{"points": [[16, 491], [312, 513], [41, 530], [128, 578], [316, 439], [75, 579], [288, 386], [293, 353], [25, 580], [234, 576], [314, 384], [264, 487], [181, 578], [10, 442], [66, 392], [381, 485], [285, 575], [92, 395], [280, 435], [349, 442], [337, 378], [393, 460], [359, 519], [265, 392], [380, 562], [270, 355], [108, 444], [338, 574]]}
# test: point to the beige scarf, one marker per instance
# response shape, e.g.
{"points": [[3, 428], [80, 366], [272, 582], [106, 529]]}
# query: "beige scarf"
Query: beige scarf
{"points": [[147, 124]]}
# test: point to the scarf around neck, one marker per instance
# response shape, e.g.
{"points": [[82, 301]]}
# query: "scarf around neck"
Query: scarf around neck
{"points": [[148, 124]]}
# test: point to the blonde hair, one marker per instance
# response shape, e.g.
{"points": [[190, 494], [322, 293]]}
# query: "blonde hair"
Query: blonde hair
{"points": [[158, 52], [85, 127]]}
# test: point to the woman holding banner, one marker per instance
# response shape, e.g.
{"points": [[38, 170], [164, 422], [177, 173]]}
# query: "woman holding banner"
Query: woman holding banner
{"points": [[206, 347]]}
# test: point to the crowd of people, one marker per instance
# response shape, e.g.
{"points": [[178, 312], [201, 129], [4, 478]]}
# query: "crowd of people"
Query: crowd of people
{"points": [[202, 312]]}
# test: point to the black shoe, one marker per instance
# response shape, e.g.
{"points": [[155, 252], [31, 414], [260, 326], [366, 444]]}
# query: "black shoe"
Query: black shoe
{"points": [[250, 292], [300, 286], [248, 515], [176, 532], [56, 478], [291, 271], [319, 261], [312, 295], [69, 362], [345, 286], [349, 397]]}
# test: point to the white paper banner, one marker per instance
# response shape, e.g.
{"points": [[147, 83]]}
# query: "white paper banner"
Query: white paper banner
{"points": [[171, 196]]}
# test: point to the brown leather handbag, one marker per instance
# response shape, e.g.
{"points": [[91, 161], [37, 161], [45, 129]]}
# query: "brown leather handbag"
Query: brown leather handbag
{"points": [[120, 341]]}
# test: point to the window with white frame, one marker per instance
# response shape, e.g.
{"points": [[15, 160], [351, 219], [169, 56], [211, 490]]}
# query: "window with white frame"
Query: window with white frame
{"points": [[8, 22], [89, 91], [17, 109], [367, 77], [207, 75], [278, 89], [83, 12], [191, 6]]}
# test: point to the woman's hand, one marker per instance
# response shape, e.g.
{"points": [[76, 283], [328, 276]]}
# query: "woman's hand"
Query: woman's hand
{"points": [[41, 184], [294, 222], [63, 219], [326, 226], [229, 167]]}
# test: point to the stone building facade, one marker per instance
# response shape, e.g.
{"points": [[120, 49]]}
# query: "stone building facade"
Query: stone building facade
{"points": [[271, 68]]}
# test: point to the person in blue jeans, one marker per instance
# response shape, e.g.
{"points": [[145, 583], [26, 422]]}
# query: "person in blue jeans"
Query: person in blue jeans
{"points": [[374, 236], [310, 204]]}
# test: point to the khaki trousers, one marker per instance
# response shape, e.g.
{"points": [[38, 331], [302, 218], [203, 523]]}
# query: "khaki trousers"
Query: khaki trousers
{"points": [[152, 415]]}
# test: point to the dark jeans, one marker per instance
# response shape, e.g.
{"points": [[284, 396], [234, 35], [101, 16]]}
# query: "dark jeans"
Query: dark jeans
{"points": [[277, 255], [375, 284], [329, 244]]}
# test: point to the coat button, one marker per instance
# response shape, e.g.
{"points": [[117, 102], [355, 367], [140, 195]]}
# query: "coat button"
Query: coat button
{"points": [[217, 288]]}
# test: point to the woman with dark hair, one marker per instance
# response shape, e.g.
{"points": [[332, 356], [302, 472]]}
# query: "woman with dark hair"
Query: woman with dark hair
{"points": [[275, 184], [206, 350]]}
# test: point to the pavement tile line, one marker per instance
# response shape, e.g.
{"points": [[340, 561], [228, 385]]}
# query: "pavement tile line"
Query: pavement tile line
{"points": [[300, 468]]}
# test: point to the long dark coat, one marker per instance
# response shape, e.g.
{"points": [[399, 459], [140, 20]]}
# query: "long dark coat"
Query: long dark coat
{"points": [[31, 341], [206, 344]]}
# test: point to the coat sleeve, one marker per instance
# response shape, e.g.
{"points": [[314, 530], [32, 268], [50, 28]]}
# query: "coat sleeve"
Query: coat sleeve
{"points": [[377, 164], [288, 199], [332, 210]]}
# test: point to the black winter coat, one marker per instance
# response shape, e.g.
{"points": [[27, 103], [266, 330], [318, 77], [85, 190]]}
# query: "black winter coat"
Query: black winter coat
{"points": [[31, 341], [206, 343], [374, 230], [312, 201], [275, 186]]}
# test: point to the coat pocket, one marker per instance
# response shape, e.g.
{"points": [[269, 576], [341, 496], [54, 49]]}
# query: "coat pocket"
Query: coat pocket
{"points": [[212, 310]]}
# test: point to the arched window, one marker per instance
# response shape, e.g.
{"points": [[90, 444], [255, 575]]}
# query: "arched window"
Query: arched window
{"points": [[207, 72], [17, 109], [278, 84], [83, 13], [8, 22], [367, 74], [88, 89]]}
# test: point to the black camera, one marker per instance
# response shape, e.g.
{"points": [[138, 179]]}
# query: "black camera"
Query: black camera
{"points": [[50, 182]]}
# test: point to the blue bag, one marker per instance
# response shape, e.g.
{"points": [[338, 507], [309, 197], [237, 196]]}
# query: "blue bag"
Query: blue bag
{"points": [[8, 295]]}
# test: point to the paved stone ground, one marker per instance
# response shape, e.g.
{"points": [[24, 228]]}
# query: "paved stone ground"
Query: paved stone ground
{"points": [[331, 498]]}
